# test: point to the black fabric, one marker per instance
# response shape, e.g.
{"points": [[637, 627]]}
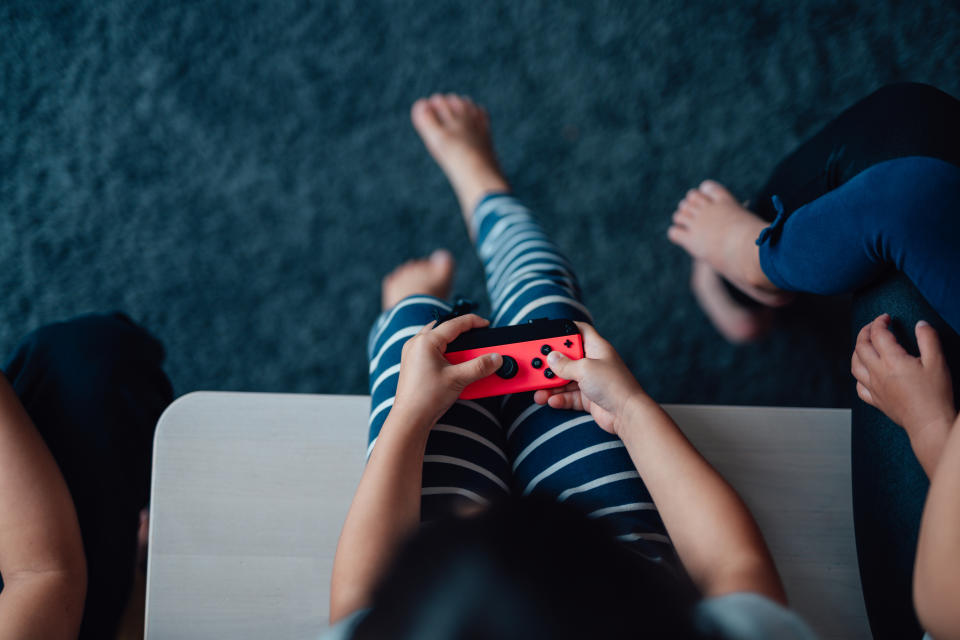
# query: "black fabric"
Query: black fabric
{"points": [[889, 486], [94, 388], [896, 121]]}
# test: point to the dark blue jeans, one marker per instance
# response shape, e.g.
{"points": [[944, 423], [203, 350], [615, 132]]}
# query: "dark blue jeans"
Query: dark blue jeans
{"points": [[94, 388], [898, 121]]}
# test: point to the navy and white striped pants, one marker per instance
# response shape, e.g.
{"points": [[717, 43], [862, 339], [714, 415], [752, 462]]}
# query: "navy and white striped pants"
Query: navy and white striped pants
{"points": [[484, 449]]}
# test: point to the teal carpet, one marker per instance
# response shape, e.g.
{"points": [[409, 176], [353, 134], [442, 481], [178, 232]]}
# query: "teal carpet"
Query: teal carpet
{"points": [[238, 175]]}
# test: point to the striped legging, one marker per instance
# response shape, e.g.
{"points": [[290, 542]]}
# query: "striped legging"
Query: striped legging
{"points": [[484, 449]]}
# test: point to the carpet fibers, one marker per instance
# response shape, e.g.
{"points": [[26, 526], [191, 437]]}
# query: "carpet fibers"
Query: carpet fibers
{"points": [[239, 175]]}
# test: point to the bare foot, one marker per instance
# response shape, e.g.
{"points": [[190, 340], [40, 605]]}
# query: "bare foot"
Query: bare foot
{"points": [[735, 322], [431, 276], [712, 226], [456, 132]]}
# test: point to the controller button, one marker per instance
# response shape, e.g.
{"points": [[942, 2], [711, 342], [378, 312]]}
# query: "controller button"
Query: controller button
{"points": [[549, 373], [508, 369], [537, 363], [568, 344], [545, 349]]}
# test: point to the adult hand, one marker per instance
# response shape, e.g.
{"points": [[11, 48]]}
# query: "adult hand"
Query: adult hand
{"points": [[428, 385], [601, 382], [916, 393]]}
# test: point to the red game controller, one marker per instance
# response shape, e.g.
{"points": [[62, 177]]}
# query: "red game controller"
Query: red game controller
{"points": [[524, 348]]}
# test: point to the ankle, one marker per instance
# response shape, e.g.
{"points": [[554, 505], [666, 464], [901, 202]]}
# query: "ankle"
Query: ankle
{"points": [[477, 187]]}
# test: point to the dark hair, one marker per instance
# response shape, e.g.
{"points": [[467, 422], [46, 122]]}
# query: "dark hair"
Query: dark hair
{"points": [[526, 568]]}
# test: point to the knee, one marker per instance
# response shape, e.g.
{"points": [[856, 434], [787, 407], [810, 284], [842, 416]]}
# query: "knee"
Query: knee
{"points": [[911, 97], [89, 357], [94, 342]]}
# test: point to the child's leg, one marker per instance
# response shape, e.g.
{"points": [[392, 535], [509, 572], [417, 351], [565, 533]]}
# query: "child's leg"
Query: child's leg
{"points": [[562, 454], [899, 214], [465, 461], [527, 276]]}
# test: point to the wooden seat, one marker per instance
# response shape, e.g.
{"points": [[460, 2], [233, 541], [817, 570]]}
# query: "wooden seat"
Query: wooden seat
{"points": [[250, 491]]}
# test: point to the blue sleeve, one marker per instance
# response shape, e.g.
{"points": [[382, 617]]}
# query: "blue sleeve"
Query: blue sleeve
{"points": [[749, 616]]}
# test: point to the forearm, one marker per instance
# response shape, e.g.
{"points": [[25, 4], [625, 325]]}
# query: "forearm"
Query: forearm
{"points": [[384, 511], [41, 550], [692, 499], [936, 578], [928, 444]]}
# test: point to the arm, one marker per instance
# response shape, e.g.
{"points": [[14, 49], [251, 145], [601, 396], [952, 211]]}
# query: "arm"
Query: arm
{"points": [[41, 551], [936, 575], [916, 393], [712, 530], [386, 507]]}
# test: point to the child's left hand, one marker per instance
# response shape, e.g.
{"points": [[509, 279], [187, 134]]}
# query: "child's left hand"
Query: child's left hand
{"points": [[916, 393], [428, 384]]}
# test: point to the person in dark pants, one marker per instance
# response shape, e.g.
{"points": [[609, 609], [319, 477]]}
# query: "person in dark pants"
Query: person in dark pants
{"points": [[868, 206], [94, 389]]}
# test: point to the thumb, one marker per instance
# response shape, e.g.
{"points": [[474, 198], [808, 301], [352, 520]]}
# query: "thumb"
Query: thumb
{"points": [[473, 370], [564, 366], [929, 343]]}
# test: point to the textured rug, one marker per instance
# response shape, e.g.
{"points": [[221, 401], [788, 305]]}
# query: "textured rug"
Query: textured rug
{"points": [[238, 176]]}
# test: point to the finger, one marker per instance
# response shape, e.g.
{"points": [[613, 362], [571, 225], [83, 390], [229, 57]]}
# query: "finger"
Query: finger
{"points": [[868, 354], [883, 339], [859, 370], [569, 401], [477, 368], [450, 329], [564, 366], [544, 394], [931, 353], [864, 394], [595, 345]]}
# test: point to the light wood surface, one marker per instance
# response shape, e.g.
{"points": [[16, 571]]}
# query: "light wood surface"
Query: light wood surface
{"points": [[250, 490]]}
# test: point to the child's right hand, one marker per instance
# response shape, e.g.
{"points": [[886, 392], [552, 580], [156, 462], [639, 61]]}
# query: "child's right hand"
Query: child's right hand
{"points": [[916, 393], [602, 384]]}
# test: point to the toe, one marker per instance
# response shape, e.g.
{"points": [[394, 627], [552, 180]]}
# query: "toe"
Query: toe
{"points": [[682, 216], [695, 199], [441, 106], [442, 260], [423, 115], [715, 190], [456, 103], [677, 234]]}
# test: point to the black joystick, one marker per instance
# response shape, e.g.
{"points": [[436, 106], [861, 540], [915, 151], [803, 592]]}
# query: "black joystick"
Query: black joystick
{"points": [[508, 369]]}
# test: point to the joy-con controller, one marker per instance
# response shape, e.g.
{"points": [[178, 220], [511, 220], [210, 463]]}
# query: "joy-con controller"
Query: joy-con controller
{"points": [[524, 348]]}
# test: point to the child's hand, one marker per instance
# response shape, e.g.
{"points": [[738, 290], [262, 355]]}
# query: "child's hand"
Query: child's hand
{"points": [[602, 384], [428, 385], [916, 393]]}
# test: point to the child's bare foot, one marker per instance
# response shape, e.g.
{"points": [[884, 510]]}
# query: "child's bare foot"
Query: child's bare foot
{"points": [[712, 226], [735, 322], [431, 276], [457, 134]]}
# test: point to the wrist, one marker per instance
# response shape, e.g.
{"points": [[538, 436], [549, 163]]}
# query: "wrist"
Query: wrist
{"points": [[931, 436], [631, 412], [408, 421]]}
